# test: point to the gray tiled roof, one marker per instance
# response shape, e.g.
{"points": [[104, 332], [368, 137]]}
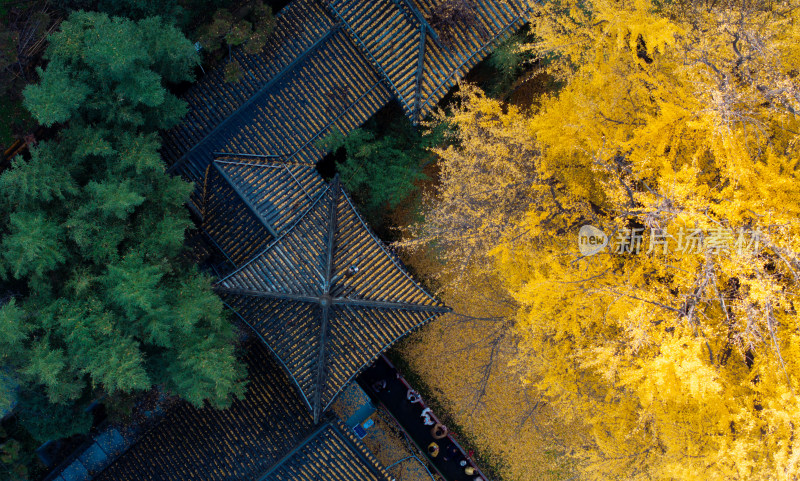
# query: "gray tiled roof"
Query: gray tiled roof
{"points": [[247, 441], [295, 241], [327, 297], [247, 204]]}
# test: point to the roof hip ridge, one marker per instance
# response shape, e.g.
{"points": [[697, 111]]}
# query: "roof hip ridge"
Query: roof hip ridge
{"points": [[245, 199], [257, 94], [277, 238]]}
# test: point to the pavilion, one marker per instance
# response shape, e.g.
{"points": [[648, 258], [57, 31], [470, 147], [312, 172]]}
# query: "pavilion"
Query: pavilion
{"points": [[320, 295]]}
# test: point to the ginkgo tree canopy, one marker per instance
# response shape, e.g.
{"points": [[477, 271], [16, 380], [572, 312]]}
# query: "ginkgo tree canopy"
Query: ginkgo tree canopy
{"points": [[674, 118]]}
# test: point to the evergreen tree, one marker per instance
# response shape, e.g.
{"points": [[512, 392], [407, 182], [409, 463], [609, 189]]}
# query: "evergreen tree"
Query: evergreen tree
{"points": [[93, 233], [382, 167]]}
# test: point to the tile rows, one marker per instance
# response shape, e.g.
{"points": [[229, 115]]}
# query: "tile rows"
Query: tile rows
{"points": [[291, 272], [295, 264], [389, 34], [292, 332], [211, 100], [445, 65], [332, 88], [279, 191], [245, 201], [332, 454], [237, 231], [390, 37], [357, 336], [381, 276], [241, 442]]}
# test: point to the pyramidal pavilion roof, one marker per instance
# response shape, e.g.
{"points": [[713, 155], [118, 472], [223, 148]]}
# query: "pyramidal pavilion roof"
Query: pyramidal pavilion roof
{"points": [[327, 297]]}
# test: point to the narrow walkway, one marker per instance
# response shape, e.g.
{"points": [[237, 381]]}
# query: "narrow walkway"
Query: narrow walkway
{"points": [[386, 386]]}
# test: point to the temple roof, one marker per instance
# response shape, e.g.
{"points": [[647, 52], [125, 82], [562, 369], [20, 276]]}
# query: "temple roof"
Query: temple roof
{"points": [[416, 63], [330, 64], [298, 27], [248, 203], [267, 435], [330, 86], [327, 297], [332, 452]]}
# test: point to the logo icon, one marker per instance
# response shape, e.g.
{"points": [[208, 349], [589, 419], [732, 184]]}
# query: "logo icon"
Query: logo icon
{"points": [[591, 240]]}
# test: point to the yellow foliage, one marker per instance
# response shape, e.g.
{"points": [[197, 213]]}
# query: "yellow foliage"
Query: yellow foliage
{"points": [[675, 117], [464, 358]]}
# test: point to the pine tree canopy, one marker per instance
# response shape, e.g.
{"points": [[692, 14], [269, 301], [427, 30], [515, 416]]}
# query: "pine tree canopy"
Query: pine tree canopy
{"points": [[93, 230]]}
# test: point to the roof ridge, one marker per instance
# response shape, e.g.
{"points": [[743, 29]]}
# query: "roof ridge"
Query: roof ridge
{"points": [[275, 355], [325, 299], [368, 54], [271, 165], [392, 257], [339, 430], [245, 199], [488, 45], [294, 450], [277, 239], [257, 94], [274, 52], [395, 261], [330, 230], [382, 349]]}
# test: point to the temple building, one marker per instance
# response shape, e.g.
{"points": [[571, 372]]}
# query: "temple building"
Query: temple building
{"points": [[320, 296]]}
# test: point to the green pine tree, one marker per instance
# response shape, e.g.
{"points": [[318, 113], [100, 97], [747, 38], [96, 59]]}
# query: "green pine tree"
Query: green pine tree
{"points": [[94, 234]]}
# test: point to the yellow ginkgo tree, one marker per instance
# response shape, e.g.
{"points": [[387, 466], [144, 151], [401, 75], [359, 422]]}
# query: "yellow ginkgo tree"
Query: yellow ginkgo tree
{"points": [[677, 344]]}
